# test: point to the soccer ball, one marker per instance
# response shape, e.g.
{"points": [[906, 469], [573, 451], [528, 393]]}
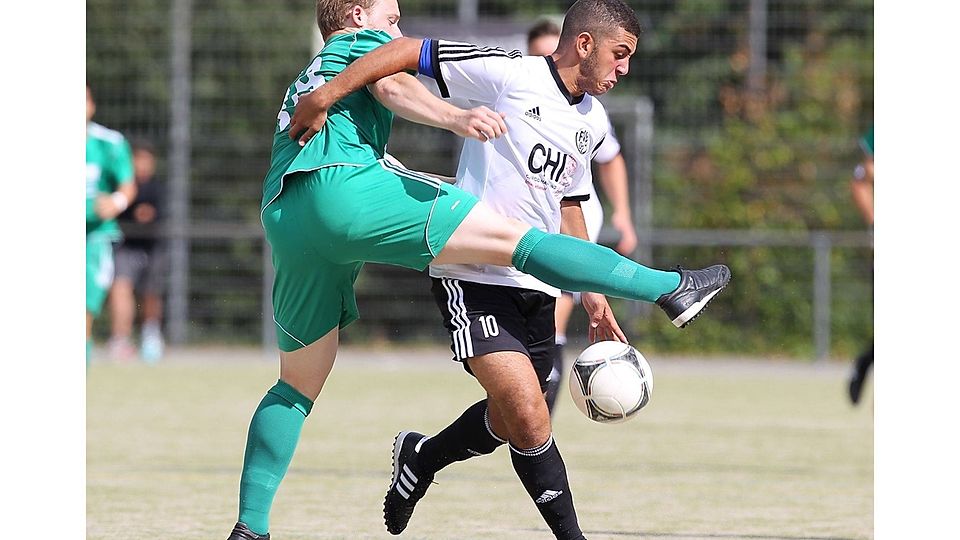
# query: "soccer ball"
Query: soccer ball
{"points": [[610, 382]]}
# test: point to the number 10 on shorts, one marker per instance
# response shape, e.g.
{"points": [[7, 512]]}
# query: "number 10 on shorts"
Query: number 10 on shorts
{"points": [[488, 323]]}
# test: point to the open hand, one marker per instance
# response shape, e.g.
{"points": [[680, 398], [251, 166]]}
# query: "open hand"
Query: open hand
{"points": [[603, 325], [106, 207]]}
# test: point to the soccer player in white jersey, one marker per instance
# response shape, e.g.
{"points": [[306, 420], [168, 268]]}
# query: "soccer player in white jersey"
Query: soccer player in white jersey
{"points": [[542, 40], [537, 174], [501, 320]]}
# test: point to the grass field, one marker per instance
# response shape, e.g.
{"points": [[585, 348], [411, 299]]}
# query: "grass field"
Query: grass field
{"points": [[726, 449]]}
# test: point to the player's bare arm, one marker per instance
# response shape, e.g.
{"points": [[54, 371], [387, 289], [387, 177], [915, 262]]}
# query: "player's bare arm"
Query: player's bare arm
{"points": [[613, 179], [861, 187], [603, 324], [408, 98], [112, 205], [401, 54]]}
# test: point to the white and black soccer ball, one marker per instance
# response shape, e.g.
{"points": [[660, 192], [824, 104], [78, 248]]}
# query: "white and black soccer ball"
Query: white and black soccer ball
{"points": [[610, 382]]}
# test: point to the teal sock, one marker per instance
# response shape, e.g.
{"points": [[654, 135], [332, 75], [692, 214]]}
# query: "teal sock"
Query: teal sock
{"points": [[89, 349], [274, 432], [573, 264]]}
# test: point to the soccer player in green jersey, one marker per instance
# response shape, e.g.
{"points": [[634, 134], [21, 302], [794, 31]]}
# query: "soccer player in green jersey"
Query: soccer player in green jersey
{"points": [[335, 201], [389, 215], [110, 188]]}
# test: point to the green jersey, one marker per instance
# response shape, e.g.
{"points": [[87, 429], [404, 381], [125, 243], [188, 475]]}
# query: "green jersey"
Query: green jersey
{"points": [[109, 164], [357, 126]]}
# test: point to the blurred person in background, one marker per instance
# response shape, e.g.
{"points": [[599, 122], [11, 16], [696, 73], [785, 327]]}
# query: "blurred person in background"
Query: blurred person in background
{"points": [[140, 266], [861, 187], [110, 189], [542, 40]]}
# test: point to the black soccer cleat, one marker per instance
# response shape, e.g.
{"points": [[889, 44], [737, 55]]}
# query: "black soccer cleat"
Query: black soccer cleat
{"points": [[858, 376], [409, 483], [855, 386], [242, 532], [697, 288]]}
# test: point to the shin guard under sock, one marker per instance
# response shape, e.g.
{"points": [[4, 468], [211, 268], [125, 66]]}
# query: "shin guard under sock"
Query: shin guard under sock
{"points": [[544, 476], [468, 436], [573, 264], [272, 438]]}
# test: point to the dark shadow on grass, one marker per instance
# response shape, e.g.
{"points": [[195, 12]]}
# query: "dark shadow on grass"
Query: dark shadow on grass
{"points": [[326, 472], [508, 475], [690, 536], [728, 468]]}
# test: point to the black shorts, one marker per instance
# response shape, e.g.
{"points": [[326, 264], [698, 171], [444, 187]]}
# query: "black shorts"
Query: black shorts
{"points": [[484, 319], [145, 267]]}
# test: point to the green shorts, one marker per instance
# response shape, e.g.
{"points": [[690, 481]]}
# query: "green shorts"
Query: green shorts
{"points": [[99, 271], [326, 223]]}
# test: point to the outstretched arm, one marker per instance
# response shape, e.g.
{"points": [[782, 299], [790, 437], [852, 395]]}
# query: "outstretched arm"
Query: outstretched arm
{"points": [[409, 99], [400, 54], [613, 179], [603, 324]]}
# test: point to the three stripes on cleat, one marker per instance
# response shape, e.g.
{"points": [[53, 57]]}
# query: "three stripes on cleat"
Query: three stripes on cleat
{"points": [[407, 482]]}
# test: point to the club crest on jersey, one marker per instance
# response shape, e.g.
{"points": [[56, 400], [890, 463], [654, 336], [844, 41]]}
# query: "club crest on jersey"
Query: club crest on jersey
{"points": [[583, 141]]}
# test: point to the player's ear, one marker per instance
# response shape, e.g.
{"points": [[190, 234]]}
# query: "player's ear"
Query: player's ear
{"points": [[358, 15], [585, 44]]}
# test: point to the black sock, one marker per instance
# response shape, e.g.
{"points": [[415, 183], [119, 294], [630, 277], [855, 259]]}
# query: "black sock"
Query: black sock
{"points": [[544, 476], [864, 362], [468, 436], [861, 366], [556, 376]]}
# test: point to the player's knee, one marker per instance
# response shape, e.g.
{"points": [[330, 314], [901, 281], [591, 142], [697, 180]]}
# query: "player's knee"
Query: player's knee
{"points": [[529, 424], [513, 230]]}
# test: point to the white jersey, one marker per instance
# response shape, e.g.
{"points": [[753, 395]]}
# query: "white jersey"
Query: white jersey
{"points": [[609, 149], [543, 158]]}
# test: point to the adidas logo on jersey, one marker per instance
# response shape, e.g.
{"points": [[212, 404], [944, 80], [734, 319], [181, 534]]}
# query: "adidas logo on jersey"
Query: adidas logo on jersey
{"points": [[548, 496], [533, 113]]}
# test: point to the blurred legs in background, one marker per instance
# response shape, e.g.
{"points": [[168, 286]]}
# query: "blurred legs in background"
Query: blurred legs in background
{"points": [[565, 304], [137, 269], [861, 367]]}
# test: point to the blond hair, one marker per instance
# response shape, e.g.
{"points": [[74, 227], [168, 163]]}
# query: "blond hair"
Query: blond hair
{"points": [[331, 13]]}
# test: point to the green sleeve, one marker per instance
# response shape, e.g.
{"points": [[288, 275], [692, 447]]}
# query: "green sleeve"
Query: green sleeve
{"points": [[365, 41], [368, 40], [92, 216], [121, 164]]}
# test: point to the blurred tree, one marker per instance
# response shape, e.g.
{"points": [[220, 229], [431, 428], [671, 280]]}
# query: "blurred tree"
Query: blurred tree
{"points": [[777, 159]]}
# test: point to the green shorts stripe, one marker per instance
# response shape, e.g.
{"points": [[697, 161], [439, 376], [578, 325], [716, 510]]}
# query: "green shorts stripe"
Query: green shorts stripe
{"points": [[422, 178]]}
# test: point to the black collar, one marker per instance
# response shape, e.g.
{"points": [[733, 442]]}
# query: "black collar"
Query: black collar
{"points": [[572, 100]]}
